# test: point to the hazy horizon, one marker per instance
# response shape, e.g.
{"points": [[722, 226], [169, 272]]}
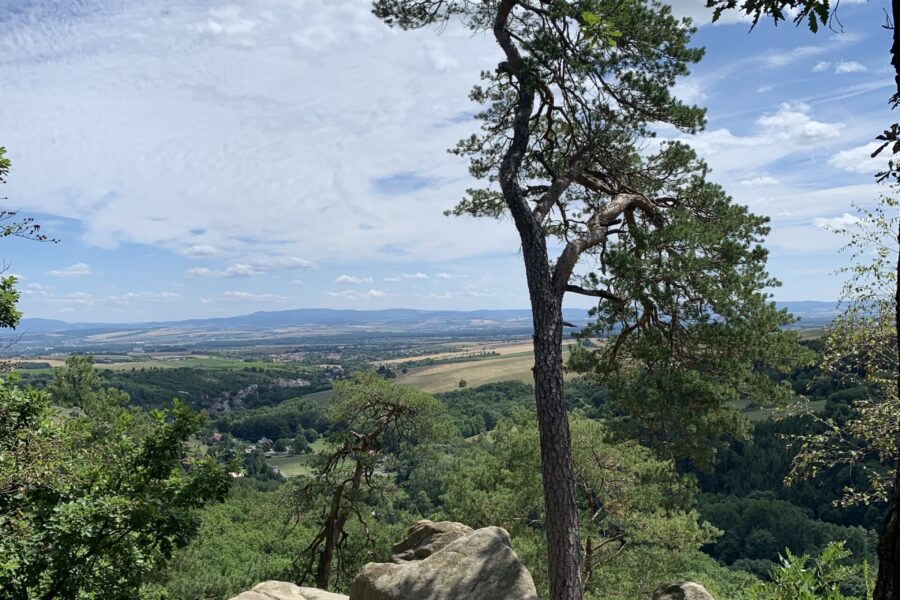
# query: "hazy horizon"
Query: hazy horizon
{"points": [[247, 164], [320, 308]]}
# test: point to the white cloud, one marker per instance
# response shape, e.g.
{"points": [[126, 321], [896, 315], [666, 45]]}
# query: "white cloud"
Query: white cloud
{"points": [[144, 297], [759, 181], [781, 58], [201, 250], [798, 225], [229, 23], [690, 90], [231, 271], [36, 289], [844, 220], [439, 57], [789, 130], [442, 296], [45, 294], [792, 123], [76, 298], [248, 132], [79, 269], [354, 295], [347, 294], [697, 11], [840, 67], [351, 280], [850, 66], [237, 296], [251, 146], [252, 268], [275, 263], [407, 276], [859, 159]]}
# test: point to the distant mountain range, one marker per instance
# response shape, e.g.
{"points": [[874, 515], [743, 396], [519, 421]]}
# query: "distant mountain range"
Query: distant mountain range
{"points": [[811, 313], [302, 317]]}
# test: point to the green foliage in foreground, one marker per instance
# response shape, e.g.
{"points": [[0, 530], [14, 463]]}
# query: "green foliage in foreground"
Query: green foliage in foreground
{"points": [[826, 577], [252, 537], [245, 540], [760, 527], [90, 504], [638, 524], [377, 419], [9, 295]]}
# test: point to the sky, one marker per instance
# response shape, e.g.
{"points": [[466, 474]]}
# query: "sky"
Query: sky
{"points": [[199, 158]]}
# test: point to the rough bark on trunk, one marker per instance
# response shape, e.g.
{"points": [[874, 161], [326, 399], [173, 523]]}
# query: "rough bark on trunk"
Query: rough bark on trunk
{"points": [[563, 546], [337, 519], [323, 568], [561, 512], [887, 586]]}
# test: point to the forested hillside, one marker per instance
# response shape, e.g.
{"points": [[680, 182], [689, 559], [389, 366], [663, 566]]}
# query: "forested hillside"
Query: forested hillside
{"points": [[450, 300], [726, 526]]}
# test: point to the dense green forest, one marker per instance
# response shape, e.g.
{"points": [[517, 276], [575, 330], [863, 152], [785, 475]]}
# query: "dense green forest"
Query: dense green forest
{"points": [[733, 522], [727, 526], [202, 389], [684, 429]]}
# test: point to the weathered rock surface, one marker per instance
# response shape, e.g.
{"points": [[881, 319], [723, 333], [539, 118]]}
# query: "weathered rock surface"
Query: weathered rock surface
{"points": [[282, 590], [681, 590], [427, 537], [447, 561], [317, 594]]}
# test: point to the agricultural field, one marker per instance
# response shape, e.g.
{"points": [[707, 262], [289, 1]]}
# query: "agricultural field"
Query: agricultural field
{"points": [[297, 465], [507, 362], [125, 362]]}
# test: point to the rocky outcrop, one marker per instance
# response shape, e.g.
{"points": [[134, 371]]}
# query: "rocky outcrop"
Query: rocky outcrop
{"points": [[447, 561], [427, 537], [282, 590], [681, 590]]}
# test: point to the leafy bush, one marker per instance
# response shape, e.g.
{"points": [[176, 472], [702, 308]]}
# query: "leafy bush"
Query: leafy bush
{"points": [[90, 504], [826, 577]]}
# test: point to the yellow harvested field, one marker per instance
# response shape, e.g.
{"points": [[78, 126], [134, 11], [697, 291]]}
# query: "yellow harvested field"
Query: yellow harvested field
{"points": [[468, 349], [53, 362], [104, 337], [513, 363], [443, 378]]}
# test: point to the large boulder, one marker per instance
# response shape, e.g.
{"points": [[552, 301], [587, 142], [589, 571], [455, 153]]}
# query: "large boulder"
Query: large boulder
{"points": [[427, 537], [447, 561], [681, 590], [282, 590]]}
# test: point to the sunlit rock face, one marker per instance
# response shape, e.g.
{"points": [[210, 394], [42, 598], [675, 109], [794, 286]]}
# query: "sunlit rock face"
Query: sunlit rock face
{"points": [[282, 590], [447, 561], [681, 590]]}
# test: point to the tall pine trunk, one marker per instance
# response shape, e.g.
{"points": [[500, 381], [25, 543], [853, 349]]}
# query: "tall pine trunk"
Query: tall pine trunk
{"points": [[334, 525], [887, 587], [563, 547]]}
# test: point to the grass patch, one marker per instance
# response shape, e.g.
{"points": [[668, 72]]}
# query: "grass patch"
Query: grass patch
{"points": [[292, 466], [512, 363], [297, 465]]}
